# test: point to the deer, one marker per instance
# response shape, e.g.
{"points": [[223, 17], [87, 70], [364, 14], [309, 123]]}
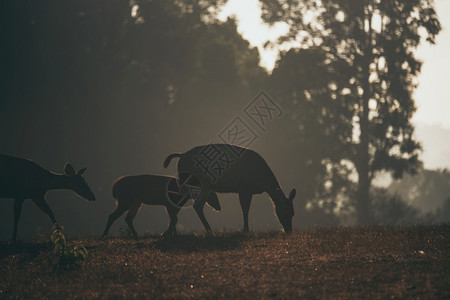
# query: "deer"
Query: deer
{"points": [[226, 168], [23, 179], [132, 191]]}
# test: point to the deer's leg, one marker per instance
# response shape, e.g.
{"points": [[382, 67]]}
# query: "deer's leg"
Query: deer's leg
{"points": [[113, 217], [17, 210], [198, 206], [245, 200], [42, 204], [173, 214], [130, 217]]}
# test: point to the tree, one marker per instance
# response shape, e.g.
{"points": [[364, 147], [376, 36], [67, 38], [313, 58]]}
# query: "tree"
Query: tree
{"points": [[117, 84], [370, 49], [317, 136], [392, 209], [427, 190], [180, 52]]}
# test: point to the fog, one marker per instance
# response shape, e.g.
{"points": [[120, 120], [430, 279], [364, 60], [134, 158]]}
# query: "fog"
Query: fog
{"points": [[93, 85]]}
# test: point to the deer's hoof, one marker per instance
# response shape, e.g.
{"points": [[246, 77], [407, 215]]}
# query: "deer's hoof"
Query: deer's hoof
{"points": [[166, 234]]}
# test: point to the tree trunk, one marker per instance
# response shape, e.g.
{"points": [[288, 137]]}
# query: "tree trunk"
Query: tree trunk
{"points": [[363, 207]]}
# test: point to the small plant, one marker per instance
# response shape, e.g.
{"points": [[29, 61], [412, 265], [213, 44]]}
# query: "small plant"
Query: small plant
{"points": [[63, 258]]}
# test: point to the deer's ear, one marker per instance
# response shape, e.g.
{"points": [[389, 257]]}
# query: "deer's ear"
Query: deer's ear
{"points": [[69, 170], [81, 171], [292, 194]]}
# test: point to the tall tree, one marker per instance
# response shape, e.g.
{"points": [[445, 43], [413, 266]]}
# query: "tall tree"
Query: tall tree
{"points": [[370, 47], [116, 84], [317, 133], [180, 51]]}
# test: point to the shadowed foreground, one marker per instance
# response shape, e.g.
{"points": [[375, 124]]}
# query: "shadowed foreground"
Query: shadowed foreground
{"points": [[357, 262]]}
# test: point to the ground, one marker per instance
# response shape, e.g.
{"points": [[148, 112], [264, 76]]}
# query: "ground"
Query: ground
{"points": [[375, 262]]}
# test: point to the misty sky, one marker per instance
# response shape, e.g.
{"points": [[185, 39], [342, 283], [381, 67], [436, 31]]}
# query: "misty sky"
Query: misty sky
{"points": [[432, 96]]}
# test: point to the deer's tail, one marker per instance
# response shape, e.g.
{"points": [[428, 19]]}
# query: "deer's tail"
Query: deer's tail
{"points": [[170, 157]]}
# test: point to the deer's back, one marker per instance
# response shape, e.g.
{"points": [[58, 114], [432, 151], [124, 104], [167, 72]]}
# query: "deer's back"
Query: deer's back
{"points": [[228, 169], [148, 189], [21, 178]]}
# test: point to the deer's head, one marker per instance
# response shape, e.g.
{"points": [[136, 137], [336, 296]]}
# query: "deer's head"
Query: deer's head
{"points": [[284, 209], [79, 185]]}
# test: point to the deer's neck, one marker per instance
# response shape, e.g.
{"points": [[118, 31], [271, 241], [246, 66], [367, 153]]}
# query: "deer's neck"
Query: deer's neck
{"points": [[275, 193], [59, 181]]}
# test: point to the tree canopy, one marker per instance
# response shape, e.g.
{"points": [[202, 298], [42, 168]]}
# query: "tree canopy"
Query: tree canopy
{"points": [[369, 52]]}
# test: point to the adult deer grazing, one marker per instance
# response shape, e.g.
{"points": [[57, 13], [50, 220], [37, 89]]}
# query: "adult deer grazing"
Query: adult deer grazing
{"points": [[132, 191], [225, 168], [24, 179]]}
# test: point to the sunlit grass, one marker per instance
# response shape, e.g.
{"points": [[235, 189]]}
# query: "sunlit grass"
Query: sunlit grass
{"points": [[333, 262]]}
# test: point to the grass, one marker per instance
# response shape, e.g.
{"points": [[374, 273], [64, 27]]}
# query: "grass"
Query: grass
{"points": [[376, 262]]}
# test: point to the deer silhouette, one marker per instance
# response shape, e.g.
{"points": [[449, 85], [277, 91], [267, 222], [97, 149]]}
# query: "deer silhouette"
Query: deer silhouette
{"points": [[225, 168], [24, 179], [133, 191]]}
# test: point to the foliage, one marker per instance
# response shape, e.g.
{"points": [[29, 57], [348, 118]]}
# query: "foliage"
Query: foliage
{"points": [[426, 190], [369, 54], [392, 209], [64, 258], [319, 132], [137, 72], [161, 49], [176, 55], [122, 80]]}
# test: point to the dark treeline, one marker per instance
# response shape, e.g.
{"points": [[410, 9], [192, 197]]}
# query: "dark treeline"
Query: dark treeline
{"points": [[427, 192], [118, 85]]}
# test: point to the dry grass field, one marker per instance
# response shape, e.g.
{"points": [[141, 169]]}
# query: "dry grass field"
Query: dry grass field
{"points": [[375, 262]]}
